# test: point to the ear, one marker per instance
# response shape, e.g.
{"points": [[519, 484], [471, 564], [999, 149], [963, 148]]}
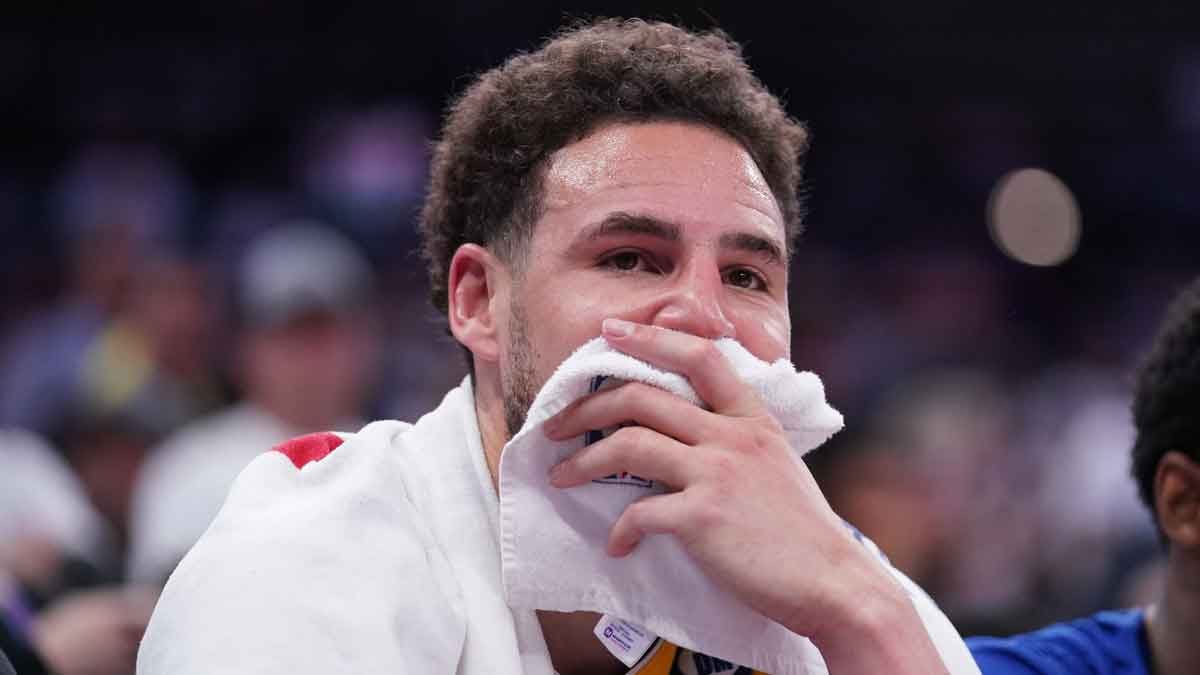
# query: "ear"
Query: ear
{"points": [[478, 293], [1177, 499]]}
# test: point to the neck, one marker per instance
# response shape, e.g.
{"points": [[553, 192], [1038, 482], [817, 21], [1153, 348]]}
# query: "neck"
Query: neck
{"points": [[1172, 621], [489, 412]]}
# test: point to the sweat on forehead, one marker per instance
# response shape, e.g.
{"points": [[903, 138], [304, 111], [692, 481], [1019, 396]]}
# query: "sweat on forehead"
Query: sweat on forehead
{"points": [[661, 180], [660, 154]]}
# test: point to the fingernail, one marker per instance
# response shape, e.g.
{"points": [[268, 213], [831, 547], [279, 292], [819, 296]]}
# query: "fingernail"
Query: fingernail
{"points": [[617, 328]]}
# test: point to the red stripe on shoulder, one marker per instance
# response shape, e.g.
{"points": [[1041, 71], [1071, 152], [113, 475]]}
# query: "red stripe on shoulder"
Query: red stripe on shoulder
{"points": [[309, 448]]}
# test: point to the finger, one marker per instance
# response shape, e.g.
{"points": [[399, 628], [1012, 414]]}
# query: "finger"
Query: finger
{"points": [[637, 404], [637, 450], [696, 358], [656, 514]]}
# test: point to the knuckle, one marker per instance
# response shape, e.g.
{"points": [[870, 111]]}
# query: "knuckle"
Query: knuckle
{"points": [[630, 441], [705, 355], [640, 391], [761, 440], [723, 466], [772, 424], [643, 437], [723, 492], [630, 395], [705, 512]]}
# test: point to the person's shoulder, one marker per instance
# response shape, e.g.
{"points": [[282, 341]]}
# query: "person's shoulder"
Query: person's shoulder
{"points": [[319, 462], [217, 447], [239, 423], [201, 459], [201, 442], [24, 449], [310, 492], [1107, 643], [309, 448], [320, 531]]}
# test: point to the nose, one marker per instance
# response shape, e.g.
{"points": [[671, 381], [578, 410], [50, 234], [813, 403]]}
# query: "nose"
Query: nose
{"points": [[693, 305]]}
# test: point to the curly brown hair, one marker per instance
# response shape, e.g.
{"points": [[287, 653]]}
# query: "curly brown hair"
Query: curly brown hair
{"points": [[488, 165], [1167, 394]]}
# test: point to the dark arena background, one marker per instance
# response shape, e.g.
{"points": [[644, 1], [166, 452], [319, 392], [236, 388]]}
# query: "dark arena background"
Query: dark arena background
{"points": [[1002, 198]]}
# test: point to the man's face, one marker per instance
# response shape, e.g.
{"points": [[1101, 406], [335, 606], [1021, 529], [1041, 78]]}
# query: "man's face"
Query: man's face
{"points": [[313, 369], [667, 224]]}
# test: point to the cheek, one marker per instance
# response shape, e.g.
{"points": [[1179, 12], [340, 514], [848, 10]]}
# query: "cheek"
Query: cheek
{"points": [[558, 325], [779, 332], [767, 334]]}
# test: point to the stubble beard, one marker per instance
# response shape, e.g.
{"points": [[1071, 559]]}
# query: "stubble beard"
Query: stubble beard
{"points": [[519, 383]]}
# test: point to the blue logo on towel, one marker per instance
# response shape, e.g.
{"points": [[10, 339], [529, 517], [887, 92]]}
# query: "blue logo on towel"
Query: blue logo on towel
{"points": [[597, 435]]}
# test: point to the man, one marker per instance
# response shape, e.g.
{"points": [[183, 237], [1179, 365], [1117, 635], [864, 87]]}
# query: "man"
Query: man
{"points": [[305, 355], [631, 180], [1161, 638]]}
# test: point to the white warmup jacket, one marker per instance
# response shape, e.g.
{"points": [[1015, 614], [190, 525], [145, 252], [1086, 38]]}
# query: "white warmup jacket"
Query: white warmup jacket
{"points": [[380, 558]]}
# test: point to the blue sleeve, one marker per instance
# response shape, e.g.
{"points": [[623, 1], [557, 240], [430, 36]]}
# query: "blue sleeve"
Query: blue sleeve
{"points": [[1106, 643], [996, 656]]}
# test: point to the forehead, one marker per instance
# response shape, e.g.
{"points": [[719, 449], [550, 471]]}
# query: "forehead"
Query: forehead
{"points": [[681, 172]]}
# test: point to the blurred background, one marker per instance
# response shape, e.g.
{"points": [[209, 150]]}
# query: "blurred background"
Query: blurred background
{"points": [[207, 246]]}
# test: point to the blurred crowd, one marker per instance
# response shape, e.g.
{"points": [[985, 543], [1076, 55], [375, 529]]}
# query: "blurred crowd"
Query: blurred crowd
{"points": [[157, 331], [176, 351]]}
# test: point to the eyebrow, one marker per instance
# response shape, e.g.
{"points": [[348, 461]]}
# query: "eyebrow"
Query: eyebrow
{"points": [[752, 243], [623, 223], [628, 223]]}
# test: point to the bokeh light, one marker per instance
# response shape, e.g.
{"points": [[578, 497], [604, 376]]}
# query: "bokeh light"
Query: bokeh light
{"points": [[1033, 218]]}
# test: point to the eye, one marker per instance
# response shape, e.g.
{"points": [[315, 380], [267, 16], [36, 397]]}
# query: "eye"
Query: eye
{"points": [[628, 261], [742, 277]]}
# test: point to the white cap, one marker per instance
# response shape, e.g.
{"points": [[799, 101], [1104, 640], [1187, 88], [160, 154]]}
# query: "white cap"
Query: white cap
{"points": [[301, 267]]}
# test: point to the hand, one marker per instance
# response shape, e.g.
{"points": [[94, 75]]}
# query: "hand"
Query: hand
{"points": [[742, 503], [34, 560], [93, 632]]}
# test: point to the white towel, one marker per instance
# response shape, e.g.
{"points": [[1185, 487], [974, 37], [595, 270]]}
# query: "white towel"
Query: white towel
{"points": [[553, 540]]}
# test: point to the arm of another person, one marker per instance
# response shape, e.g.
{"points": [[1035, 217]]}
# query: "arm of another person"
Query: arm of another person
{"points": [[1107, 642], [742, 494], [997, 656], [326, 569]]}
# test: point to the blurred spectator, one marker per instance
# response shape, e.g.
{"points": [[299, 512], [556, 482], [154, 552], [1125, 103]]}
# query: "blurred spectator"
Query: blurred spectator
{"points": [[46, 516], [106, 451], [117, 207], [155, 359], [305, 358], [53, 541]]}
